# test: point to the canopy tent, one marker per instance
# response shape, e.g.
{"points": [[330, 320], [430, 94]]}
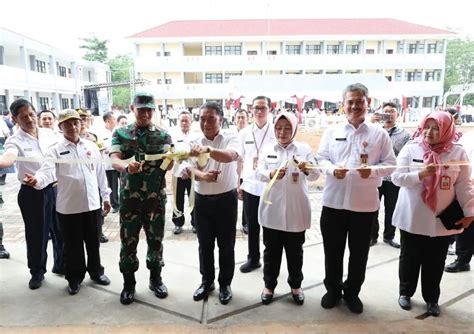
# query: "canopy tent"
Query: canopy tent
{"points": [[325, 87]]}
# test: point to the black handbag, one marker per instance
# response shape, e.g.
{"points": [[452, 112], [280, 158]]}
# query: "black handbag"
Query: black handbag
{"points": [[452, 214]]}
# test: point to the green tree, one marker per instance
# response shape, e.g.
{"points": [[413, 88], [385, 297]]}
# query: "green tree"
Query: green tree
{"points": [[120, 70], [459, 62], [97, 49]]}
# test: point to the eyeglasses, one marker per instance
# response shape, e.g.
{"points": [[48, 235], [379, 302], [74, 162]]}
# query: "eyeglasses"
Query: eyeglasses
{"points": [[259, 108]]}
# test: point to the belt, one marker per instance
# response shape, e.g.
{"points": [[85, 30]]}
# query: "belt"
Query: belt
{"points": [[216, 196], [51, 185]]}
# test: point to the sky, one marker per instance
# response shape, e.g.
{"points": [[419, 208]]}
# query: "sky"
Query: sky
{"points": [[63, 23]]}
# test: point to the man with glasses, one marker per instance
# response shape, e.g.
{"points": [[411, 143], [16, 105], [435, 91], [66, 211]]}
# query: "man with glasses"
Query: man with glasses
{"points": [[253, 138], [142, 194]]}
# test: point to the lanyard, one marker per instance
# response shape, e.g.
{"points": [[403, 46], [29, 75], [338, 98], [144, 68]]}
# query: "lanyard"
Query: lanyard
{"points": [[255, 140]]}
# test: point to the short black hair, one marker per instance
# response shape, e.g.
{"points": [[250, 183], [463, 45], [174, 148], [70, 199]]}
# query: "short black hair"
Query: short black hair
{"points": [[107, 115], [389, 104], [213, 105], [238, 111], [266, 98], [356, 87], [185, 112], [45, 111], [18, 104], [120, 117]]}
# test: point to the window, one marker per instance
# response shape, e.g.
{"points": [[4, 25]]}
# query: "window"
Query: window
{"points": [[3, 105], [410, 76], [400, 47], [412, 48], [158, 53], [427, 102], [231, 74], [158, 81], [313, 49], [352, 49], [431, 48], [167, 53], [271, 52], [62, 72], [370, 51], [213, 50], [71, 103], [389, 51], [167, 81], [429, 76], [89, 76], [44, 103], [234, 50], [65, 103], [213, 77], [40, 66], [332, 49], [293, 49], [252, 52], [398, 75]]}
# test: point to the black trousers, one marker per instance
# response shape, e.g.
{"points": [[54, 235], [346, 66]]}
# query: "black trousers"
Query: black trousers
{"points": [[389, 191], [425, 253], [79, 229], [275, 241], [113, 178], [336, 227], [251, 213], [244, 218], [38, 209], [465, 244], [182, 186], [216, 218]]}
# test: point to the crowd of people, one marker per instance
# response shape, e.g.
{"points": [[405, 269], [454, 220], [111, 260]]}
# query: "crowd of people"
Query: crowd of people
{"points": [[72, 178]]}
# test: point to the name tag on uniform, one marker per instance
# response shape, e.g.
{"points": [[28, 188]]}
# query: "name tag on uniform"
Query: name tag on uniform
{"points": [[445, 183], [341, 139], [65, 152], [418, 160], [272, 157], [249, 142], [28, 149], [180, 141]]}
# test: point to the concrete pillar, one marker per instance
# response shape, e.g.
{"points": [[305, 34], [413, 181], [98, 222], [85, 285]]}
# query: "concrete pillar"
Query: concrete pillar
{"points": [[36, 101], [323, 47], [55, 102], [52, 65]]}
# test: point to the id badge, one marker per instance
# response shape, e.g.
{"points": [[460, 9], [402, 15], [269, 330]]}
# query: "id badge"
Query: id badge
{"points": [[445, 183], [255, 162], [295, 177], [364, 159]]}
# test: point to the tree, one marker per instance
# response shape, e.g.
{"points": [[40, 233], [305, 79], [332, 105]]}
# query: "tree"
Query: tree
{"points": [[96, 49], [459, 62], [120, 70]]}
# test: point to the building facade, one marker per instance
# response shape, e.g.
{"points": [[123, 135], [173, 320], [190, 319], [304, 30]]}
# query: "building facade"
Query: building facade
{"points": [[189, 62], [47, 76]]}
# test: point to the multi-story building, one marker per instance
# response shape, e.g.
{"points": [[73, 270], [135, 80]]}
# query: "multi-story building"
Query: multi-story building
{"points": [[189, 62], [47, 76]]}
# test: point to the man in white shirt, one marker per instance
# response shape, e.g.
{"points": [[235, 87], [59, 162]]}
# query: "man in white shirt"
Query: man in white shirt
{"points": [[38, 207], [215, 210], [113, 176], [80, 186], [253, 139], [182, 141], [350, 198]]}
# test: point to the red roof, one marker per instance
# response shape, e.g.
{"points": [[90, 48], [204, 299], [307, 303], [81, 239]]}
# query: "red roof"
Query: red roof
{"points": [[288, 27]]}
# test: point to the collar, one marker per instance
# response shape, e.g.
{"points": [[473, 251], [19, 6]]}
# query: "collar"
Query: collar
{"points": [[26, 134], [361, 127]]}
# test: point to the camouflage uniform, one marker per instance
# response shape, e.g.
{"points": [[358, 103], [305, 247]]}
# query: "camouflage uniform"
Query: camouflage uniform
{"points": [[142, 195]]}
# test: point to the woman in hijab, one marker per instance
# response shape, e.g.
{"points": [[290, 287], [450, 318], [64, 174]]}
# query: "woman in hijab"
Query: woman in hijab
{"points": [[284, 211], [433, 172]]}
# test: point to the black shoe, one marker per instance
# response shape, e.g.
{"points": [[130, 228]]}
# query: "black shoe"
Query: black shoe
{"points": [[354, 304], [203, 291], [267, 298], [35, 282], [159, 288], [103, 239], [115, 210], [298, 297], [457, 266], [178, 230], [245, 229], [392, 243], [73, 288], [373, 242], [404, 302], [127, 296], [101, 280], [330, 300], [249, 266], [225, 294], [3, 253], [433, 309], [194, 230]]}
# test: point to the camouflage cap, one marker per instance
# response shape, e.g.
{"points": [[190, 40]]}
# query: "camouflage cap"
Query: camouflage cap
{"points": [[83, 112], [67, 114], [144, 100]]}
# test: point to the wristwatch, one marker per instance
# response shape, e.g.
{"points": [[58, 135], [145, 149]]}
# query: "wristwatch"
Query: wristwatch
{"points": [[126, 168], [209, 149]]}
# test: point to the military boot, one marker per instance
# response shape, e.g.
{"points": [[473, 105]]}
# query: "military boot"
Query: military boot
{"points": [[127, 296], [157, 285]]}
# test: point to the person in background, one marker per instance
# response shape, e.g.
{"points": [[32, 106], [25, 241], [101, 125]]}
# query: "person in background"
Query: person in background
{"points": [[286, 219], [46, 119], [113, 176], [78, 201], [122, 121], [428, 186], [350, 198], [399, 137], [241, 121]]}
